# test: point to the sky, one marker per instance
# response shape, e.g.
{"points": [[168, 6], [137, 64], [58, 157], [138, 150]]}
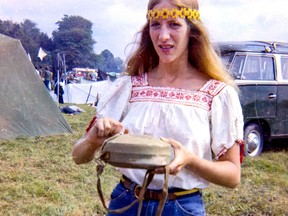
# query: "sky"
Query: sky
{"points": [[115, 22]]}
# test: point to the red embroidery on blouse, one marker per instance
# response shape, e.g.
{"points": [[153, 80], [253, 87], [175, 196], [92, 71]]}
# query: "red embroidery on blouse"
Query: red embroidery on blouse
{"points": [[140, 80], [213, 87], [142, 92], [91, 124], [241, 145]]}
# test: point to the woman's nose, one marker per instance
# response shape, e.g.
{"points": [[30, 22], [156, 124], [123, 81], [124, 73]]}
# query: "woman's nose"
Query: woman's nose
{"points": [[164, 34]]}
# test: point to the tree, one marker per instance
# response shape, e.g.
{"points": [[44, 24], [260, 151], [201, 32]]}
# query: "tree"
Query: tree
{"points": [[46, 42], [29, 35], [119, 65], [106, 62], [30, 38], [74, 39], [11, 29]]}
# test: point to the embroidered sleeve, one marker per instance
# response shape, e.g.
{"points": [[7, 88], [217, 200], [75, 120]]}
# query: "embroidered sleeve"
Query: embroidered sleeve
{"points": [[242, 153], [226, 121]]}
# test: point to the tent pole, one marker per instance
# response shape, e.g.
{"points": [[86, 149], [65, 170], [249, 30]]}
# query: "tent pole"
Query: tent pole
{"points": [[58, 79], [58, 88]]}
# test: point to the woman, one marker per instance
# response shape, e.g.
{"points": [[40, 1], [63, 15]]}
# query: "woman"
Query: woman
{"points": [[177, 89]]}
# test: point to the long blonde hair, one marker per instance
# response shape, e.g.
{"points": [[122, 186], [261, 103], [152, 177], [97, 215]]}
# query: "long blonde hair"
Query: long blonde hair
{"points": [[202, 55]]}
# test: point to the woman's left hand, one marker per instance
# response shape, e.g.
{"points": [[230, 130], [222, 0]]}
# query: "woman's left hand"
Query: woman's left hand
{"points": [[181, 157], [225, 171]]}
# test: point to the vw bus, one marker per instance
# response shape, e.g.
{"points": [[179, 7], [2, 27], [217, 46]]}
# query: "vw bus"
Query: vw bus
{"points": [[261, 72]]}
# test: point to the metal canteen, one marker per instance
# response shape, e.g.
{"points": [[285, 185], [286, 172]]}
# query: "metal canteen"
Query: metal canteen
{"points": [[136, 151]]}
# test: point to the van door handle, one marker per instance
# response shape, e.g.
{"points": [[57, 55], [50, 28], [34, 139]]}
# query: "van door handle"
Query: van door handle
{"points": [[272, 96]]}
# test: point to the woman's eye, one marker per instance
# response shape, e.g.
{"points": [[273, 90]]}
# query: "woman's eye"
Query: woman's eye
{"points": [[155, 25], [174, 25]]}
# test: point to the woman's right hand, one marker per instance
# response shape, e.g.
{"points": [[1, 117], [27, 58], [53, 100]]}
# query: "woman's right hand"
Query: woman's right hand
{"points": [[84, 150], [106, 127]]}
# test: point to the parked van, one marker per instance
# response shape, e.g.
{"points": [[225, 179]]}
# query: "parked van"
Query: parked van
{"points": [[261, 72]]}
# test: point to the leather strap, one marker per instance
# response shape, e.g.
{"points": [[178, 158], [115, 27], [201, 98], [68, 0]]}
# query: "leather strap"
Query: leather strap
{"points": [[147, 180], [164, 192]]}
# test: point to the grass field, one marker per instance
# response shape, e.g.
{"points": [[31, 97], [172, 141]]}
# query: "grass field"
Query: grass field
{"points": [[38, 177]]}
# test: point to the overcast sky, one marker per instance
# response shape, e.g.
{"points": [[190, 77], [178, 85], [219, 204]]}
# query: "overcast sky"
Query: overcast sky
{"points": [[115, 22]]}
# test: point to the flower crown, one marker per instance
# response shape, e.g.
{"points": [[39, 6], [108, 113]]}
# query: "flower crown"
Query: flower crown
{"points": [[190, 14]]}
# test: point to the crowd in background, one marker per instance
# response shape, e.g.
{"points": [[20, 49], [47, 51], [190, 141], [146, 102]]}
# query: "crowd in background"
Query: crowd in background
{"points": [[50, 81], [50, 78]]}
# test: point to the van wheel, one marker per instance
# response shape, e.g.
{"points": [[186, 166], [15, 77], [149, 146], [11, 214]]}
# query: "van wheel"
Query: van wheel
{"points": [[254, 140]]}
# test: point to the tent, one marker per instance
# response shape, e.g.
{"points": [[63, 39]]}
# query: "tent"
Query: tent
{"points": [[27, 108], [83, 93]]}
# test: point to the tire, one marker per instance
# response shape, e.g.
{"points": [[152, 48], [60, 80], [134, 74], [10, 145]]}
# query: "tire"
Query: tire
{"points": [[254, 140]]}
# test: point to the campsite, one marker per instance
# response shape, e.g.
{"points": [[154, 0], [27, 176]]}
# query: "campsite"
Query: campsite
{"points": [[26, 106], [39, 177]]}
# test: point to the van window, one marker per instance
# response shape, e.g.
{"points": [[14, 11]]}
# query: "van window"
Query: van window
{"points": [[284, 67], [267, 71], [249, 67], [237, 66], [252, 69]]}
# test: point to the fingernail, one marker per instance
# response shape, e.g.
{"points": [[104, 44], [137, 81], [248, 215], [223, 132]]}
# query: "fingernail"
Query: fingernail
{"points": [[163, 139]]}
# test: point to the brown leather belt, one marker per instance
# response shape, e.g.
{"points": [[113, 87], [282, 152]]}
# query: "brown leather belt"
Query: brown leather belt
{"points": [[155, 194]]}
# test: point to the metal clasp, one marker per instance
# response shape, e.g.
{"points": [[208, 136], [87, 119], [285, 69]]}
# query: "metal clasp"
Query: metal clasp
{"points": [[135, 191]]}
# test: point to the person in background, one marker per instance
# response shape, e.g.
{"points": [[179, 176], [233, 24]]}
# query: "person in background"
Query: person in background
{"points": [[71, 79], [59, 92], [47, 76], [94, 75], [176, 89]]}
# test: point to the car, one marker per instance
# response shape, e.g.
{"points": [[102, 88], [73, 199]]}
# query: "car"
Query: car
{"points": [[260, 69]]}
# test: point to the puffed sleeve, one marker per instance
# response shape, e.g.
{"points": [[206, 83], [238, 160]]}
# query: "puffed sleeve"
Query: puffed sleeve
{"points": [[115, 100], [226, 121]]}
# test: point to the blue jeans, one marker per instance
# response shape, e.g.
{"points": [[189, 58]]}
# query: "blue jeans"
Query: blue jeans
{"points": [[183, 206]]}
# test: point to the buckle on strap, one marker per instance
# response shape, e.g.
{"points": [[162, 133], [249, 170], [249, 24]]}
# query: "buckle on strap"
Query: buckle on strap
{"points": [[137, 191]]}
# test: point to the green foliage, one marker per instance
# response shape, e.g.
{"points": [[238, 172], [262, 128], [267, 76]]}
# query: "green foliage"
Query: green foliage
{"points": [[11, 29], [39, 177], [106, 62], [73, 37], [29, 35]]}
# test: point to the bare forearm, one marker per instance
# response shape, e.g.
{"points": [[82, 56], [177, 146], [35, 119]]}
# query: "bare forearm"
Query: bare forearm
{"points": [[224, 173], [84, 151]]}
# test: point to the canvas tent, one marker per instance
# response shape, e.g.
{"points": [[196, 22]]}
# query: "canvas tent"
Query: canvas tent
{"points": [[27, 108], [83, 93]]}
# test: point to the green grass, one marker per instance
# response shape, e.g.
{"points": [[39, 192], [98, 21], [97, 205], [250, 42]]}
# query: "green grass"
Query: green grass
{"points": [[263, 189], [38, 177]]}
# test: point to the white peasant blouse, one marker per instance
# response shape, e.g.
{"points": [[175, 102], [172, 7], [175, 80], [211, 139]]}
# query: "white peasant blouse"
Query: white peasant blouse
{"points": [[207, 121]]}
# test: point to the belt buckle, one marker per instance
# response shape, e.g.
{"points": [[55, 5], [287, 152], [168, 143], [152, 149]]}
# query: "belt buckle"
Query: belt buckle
{"points": [[135, 191]]}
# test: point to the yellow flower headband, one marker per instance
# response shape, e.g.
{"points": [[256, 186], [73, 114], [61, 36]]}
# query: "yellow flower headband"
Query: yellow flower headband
{"points": [[190, 14]]}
